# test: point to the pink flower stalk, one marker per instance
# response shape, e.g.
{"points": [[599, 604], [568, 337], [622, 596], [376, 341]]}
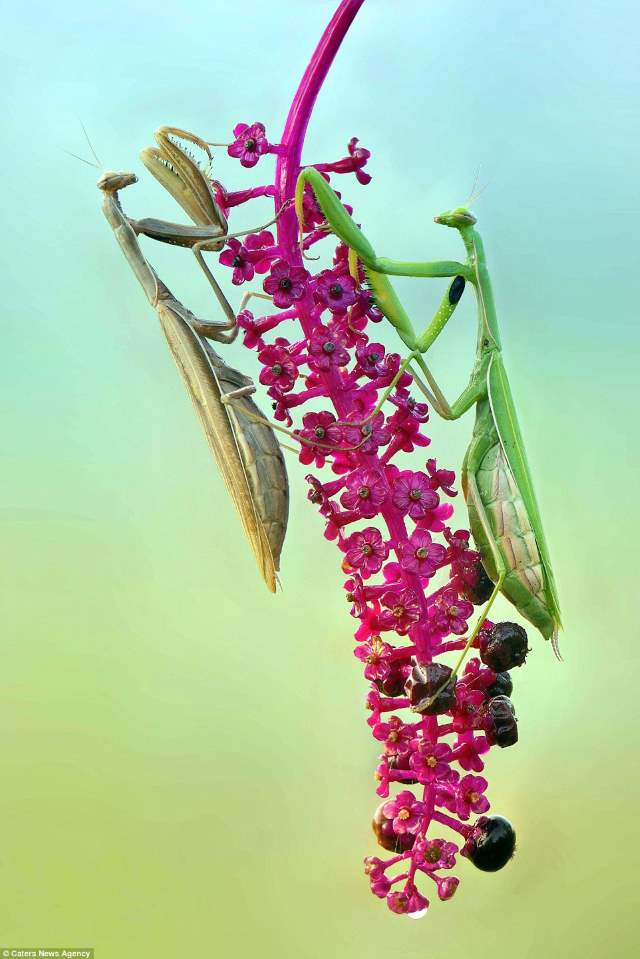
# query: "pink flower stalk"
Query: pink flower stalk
{"points": [[411, 577]]}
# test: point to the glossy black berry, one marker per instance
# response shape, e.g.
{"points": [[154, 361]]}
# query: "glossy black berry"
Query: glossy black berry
{"points": [[501, 686], [491, 844], [481, 590], [503, 646], [499, 722], [423, 684]]}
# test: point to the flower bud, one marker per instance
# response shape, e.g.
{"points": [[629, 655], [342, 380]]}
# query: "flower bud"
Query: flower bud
{"points": [[501, 686], [491, 843], [499, 722], [384, 833], [422, 685], [447, 886], [503, 646]]}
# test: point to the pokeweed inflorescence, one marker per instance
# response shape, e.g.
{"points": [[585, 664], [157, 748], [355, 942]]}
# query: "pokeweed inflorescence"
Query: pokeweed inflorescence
{"points": [[390, 523]]}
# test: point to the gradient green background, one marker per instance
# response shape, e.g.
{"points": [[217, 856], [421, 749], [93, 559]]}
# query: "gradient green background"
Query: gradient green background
{"points": [[184, 763]]}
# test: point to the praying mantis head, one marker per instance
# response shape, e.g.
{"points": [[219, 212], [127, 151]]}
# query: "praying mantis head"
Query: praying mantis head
{"points": [[458, 218], [111, 182]]}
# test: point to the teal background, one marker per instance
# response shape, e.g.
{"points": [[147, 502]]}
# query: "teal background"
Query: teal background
{"points": [[185, 767]]}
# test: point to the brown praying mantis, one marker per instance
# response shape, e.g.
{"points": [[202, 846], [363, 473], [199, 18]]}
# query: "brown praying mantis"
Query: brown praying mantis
{"points": [[243, 443]]}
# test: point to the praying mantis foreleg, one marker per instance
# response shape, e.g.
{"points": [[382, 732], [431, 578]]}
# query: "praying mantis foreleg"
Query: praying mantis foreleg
{"points": [[503, 512]]}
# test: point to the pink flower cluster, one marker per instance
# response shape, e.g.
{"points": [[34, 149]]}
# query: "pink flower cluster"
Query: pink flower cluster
{"points": [[412, 579]]}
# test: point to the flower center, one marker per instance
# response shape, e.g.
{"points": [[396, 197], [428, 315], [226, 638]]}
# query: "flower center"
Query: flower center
{"points": [[415, 494], [373, 358], [431, 761], [398, 611], [364, 492], [250, 144], [366, 430], [432, 854], [237, 261], [474, 797], [319, 432], [335, 290], [393, 737], [276, 369], [453, 611], [404, 814], [367, 549], [285, 283], [328, 347], [422, 552]]}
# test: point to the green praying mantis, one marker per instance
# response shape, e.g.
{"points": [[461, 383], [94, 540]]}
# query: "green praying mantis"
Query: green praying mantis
{"points": [[503, 511], [244, 445]]}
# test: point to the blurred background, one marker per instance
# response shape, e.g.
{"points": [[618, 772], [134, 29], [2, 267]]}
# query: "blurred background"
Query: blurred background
{"points": [[184, 762]]}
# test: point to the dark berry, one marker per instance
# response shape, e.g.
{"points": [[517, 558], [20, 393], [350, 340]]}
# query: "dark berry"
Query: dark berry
{"points": [[491, 844], [503, 646], [387, 838], [481, 590], [393, 685], [423, 684], [500, 722], [501, 686]]}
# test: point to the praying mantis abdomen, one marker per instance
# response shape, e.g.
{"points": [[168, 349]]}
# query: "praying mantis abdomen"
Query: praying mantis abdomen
{"points": [[261, 456], [501, 526]]}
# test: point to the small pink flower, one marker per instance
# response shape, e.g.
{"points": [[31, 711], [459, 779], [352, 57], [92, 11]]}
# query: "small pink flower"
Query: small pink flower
{"points": [[376, 657], [326, 349], [366, 492], [468, 753], [441, 479], [431, 854], [401, 612], [470, 796], [450, 613], [336, 291], [421, 555], [250, 143], [370, 356], [366, 436], [322, 434], [278, 367], [259, 247], [405, 812], [237, 256], [395, 735], [431, 761], [285, 283], [412, 493], [366, 551]]}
